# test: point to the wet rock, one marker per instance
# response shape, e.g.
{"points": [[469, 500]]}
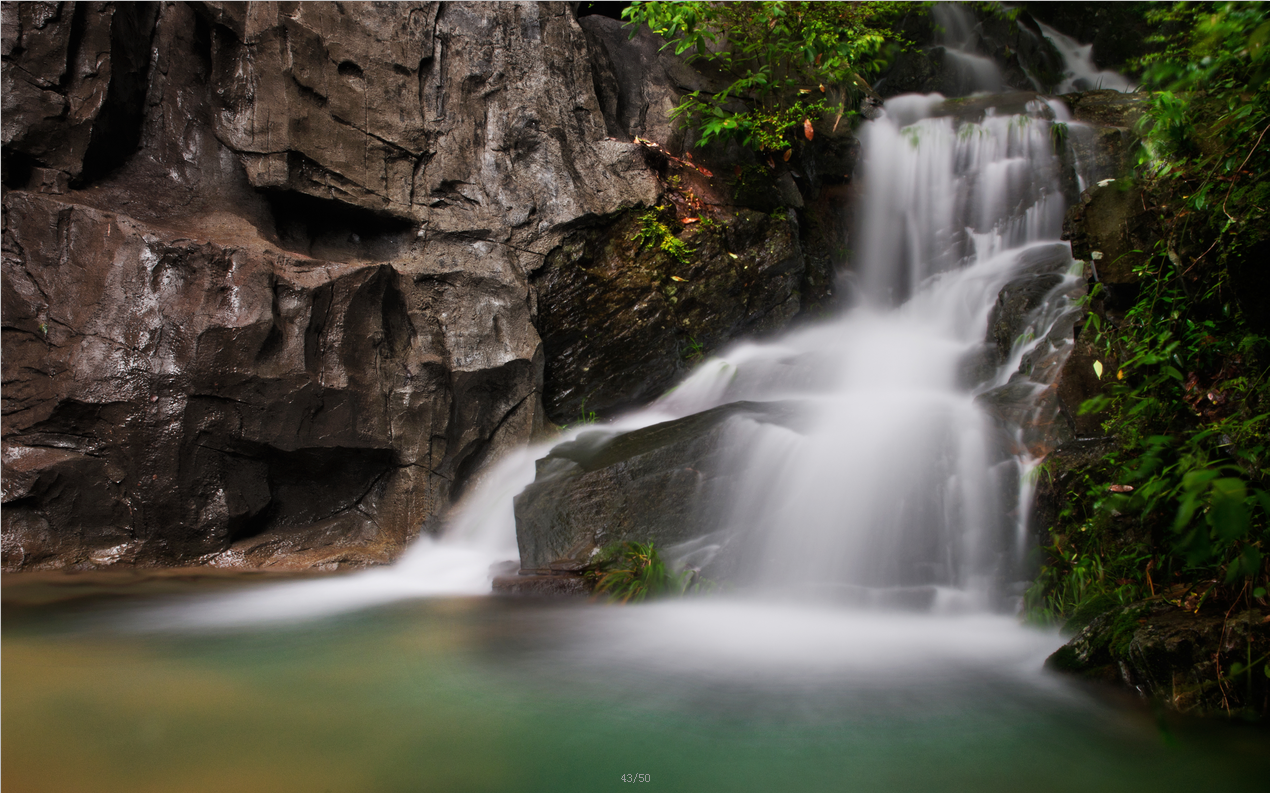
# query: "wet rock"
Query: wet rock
{"points": [[174, 397], [974, 108], [561, 584], [1028, 61], [1026, 308], [621, 320], [1112, 229], [74, 79], [1079, 381], [1016, 303], [1107, 108], [647, 485], [1178, 655], [1103, 145], [1012, 319]]}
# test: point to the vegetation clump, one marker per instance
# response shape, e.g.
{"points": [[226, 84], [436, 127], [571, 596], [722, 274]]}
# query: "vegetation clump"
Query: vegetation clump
{"points": [[654, 233], [631, 572], [789, 63]]}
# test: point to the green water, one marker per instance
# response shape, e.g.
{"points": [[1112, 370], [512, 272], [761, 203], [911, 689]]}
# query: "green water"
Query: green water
{"points": [[483, 694]]}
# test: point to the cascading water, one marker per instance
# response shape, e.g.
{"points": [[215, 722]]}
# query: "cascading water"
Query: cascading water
{"points": [[956, 31], [1081, 74], [897, 488]]}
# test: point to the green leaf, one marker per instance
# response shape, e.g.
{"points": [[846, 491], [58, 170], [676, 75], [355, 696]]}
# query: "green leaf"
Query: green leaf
{"points": [[1245, 565], [1229, 513], [1263, 498]]}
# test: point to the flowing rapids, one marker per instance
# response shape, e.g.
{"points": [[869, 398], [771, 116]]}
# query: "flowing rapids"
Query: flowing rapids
{"points": [[898, 489]]}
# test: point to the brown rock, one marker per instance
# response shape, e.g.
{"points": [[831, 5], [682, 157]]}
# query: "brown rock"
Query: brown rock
{"points": [[175, 395]]}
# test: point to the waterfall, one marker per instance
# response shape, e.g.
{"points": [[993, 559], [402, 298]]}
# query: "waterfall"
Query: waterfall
{"points": [[956, 32], [898, 487], [1080, 72]]}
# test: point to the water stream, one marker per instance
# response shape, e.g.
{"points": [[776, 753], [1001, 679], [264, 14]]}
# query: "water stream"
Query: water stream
{"points": [[1082, 74]]}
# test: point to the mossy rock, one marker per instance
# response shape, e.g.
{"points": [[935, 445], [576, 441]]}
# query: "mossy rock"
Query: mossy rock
{"points": [[1185, 659]]}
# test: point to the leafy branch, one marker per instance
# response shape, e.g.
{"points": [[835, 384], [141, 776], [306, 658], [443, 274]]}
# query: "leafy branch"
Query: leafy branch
{"points": [[789, 63]]}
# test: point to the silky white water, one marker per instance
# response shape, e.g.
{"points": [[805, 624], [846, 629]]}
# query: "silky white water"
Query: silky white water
{"points": [[1081, 73], [955, 29]]}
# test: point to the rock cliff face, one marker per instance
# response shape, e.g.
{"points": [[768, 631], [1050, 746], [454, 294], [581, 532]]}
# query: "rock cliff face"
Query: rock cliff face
{"points": [[273, 271]]}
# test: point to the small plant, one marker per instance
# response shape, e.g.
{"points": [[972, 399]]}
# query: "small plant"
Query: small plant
{"points": [[709, 224], [586, 416], [656, 234], [1059, 134], [694, 350], [631, 572]]}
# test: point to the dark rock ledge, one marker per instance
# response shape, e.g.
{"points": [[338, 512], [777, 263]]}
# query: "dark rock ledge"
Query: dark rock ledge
{"points": [[1194, 658]]}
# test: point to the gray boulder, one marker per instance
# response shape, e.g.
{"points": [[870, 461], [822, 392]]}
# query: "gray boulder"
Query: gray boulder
{"points": [[649, 485]]}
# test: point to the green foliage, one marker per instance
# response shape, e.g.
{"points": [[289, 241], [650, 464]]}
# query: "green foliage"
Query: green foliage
{"points": [[1092, 563], [585, 416], [1187, 379], [653, 232], [1209, 111], [634, 571], [694, 350], [789, 63]]}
